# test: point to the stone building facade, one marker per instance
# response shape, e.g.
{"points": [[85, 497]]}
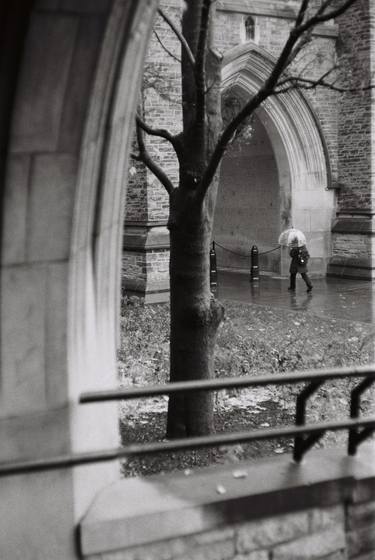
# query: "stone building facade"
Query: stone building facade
{"points": [[308, 161]]}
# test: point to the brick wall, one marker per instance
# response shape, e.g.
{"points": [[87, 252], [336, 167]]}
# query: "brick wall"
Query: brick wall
{"points": [[351, 245], [355, 127]]}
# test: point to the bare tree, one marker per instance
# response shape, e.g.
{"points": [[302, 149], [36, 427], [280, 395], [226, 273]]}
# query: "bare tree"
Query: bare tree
{"points": [[200, 146]]}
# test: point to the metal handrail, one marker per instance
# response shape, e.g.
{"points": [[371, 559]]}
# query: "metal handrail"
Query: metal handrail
{"points": [[305, 436], [226, 383], [38, 465]]}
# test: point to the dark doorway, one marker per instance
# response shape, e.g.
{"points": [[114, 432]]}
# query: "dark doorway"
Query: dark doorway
{"points": [[248, 204]]}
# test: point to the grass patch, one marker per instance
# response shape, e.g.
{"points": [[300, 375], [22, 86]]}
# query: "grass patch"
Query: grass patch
{"points": [[253, 340]]}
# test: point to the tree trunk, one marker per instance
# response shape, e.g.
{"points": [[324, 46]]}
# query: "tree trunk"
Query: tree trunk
{"points": [[195, 317], [195, 314]]}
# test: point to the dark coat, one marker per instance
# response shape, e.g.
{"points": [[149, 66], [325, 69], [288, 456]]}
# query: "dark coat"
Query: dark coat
{"points": [[294, 264]]}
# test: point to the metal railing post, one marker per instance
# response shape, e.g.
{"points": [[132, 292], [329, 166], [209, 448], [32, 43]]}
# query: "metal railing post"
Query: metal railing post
{"points": [[213, 269], [254, 264]]}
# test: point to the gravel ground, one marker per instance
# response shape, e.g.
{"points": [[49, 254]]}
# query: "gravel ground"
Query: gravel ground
{"points": [[253, 340]]}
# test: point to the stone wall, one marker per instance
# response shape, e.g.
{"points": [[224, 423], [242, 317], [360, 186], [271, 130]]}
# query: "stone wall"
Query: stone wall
{"points": [[65, 142], [274, 510], [315, 533], [145, 272], [353, 230]]}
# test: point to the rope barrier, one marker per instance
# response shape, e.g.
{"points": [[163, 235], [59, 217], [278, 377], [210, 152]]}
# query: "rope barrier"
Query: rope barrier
{"points": [[245, 255]]}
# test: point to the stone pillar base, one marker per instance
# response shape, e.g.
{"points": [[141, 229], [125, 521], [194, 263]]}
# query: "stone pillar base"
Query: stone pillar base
{"points": [[352, 243], [361, 269], [145, 262]]}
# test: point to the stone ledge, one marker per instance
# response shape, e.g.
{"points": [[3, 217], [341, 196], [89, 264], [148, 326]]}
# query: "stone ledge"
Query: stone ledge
{"points": [[257, 8], [145, 238], [179, 505], [361, 225], [349, 267], [273, 9]]}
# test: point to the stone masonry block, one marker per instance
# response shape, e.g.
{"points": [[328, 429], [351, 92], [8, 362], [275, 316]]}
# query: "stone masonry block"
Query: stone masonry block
{"points": [[323, 518], [165, 550], [256, 555], [79, 82], [51, 207], [23, 337], [85, 6], [341, 555], [269, 532], [360, 515], [56, 341], [318, 545], [16, 201], [183, 549], [361, 541], [214, 551], [43, 82], [224, 534]]}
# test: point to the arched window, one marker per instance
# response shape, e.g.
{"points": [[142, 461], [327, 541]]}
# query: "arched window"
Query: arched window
{"points": [[249, 29]]}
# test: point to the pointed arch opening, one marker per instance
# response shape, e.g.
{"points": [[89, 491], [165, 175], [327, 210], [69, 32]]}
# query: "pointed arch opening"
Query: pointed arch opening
{"points": [[286, 169]]}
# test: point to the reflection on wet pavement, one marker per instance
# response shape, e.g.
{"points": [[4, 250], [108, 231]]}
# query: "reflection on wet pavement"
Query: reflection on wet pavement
{"points": [[331, 297]]}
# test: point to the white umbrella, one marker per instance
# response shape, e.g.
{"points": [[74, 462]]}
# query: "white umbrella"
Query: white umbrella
{"points": [[292, 236]]}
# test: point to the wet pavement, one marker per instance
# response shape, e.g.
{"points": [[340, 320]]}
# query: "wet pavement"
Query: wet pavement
{"points": [[331, 297]]}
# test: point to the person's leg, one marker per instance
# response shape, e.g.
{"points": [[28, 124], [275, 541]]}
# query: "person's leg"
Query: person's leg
{"points": [[307, 281], [292, 285]]}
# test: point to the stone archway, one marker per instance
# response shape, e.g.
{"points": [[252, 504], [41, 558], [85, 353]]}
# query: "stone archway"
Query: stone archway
{"points": [[71, 75], [298, 147]]}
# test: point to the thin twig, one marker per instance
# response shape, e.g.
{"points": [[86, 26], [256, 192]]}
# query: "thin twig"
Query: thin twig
{"points": [[305, 83], [170, 53], [321, 17], [179, 36]]}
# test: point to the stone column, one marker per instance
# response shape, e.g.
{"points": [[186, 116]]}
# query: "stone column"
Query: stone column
{"points": [[146, 237], [62, 217], [353, 229]]}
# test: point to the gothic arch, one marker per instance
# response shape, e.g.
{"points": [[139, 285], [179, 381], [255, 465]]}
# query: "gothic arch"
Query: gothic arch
{"points": [[67, 111], [298, 144]]}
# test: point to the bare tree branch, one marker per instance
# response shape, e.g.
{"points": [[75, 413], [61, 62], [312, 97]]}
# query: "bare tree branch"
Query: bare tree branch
{"points": [[296, 33], [300, 45], [321, 16], [160, 132], [145, 157], [306, 83], [170, 53], [179, 36], [317, 81], [302, 12]]}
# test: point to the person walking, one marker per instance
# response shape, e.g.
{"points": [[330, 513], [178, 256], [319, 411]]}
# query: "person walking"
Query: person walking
{"points": [[298, 264]]}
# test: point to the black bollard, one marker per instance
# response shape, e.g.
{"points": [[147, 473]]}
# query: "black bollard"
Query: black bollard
{"points": [[213, 270], [254, 264]]}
